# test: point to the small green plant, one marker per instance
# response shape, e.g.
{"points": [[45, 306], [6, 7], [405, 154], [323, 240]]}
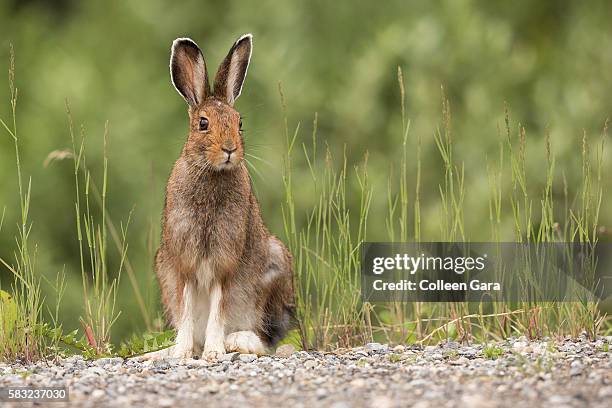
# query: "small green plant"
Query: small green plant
{"points": [[395, 358], [135, 346], [363, 362], [8, 312], [453, 355], [492, 352], [24, 374], [146, 343], [71, 339]]}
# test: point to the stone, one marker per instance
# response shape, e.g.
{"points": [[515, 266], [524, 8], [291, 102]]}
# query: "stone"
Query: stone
{"points": [[576, 368], [166, 402], [108, 361], [310, 364], [375, 347], [358, 383], [161, 365], [459, 361], [231, 357], [247, 358], [382, 401], [97, 394], [285, 351]]}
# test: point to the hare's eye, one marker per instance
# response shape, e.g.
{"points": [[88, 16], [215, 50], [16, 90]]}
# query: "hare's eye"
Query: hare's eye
{"points": [[203, 123]]}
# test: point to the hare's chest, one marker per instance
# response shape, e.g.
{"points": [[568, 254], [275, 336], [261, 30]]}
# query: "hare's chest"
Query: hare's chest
{"points": [[211, 232]]}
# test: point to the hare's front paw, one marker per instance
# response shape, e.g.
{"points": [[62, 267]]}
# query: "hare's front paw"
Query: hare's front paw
{"points": [[182, 352], [213, 352]]}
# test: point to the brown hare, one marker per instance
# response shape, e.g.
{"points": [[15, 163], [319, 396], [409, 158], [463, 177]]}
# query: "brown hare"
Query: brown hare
{"points": [[226, 282]]}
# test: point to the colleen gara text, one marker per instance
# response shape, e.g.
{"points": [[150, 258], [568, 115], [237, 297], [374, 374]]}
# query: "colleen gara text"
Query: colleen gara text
{"points": [[437, 285]]}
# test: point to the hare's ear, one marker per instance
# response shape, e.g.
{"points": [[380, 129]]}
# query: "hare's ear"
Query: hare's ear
{"points": [[233, 70], [188, 71]]}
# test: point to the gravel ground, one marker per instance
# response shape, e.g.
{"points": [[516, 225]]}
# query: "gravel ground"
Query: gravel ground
{"points": [[515, 373]]}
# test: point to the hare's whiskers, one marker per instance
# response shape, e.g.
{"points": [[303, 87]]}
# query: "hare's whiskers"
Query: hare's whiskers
{"points": [[258, 158], [254, 168]]}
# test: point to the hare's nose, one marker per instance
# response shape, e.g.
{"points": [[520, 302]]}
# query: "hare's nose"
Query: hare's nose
{"points": [[228, 152]]}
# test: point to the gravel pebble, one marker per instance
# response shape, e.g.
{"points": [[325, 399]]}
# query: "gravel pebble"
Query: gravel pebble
{"points": [[108, 361], [248, 358], [230, 357], [376, 347], [286, 350], [310, 364]]}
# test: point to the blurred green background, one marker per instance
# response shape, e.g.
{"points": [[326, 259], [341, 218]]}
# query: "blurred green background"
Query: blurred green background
{"points": [[550, 61]]}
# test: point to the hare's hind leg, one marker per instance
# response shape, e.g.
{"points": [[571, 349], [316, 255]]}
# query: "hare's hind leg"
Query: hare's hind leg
{"points": [[274, 305], [156, 355], [245, 342], [278, 305]]}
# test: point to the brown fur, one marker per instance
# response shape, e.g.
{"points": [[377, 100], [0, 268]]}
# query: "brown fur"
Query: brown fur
{"points": [[212, 216]]}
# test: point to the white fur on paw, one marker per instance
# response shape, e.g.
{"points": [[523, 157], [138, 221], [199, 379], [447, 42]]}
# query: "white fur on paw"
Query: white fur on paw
{"points": [[245, 342], [182, 353], [213, 353]]}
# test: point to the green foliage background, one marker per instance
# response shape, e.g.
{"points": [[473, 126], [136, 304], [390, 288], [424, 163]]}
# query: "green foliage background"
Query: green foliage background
{"points": [[550, 61]]}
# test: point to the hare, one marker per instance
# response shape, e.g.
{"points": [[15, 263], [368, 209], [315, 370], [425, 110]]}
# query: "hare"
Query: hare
{"points": [[226, 282]]}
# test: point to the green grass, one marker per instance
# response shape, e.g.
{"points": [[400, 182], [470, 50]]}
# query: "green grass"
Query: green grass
{"points": [[325, 246], [21, 332], [99, 287], [24, 332]]}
